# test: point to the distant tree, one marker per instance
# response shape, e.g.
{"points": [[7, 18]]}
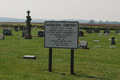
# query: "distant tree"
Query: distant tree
{"points": [[100, 22], [107, 22], [92, 21]]}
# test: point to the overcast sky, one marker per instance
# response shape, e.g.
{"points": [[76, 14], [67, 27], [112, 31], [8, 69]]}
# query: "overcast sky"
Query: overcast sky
{"points": [[62, 9]]}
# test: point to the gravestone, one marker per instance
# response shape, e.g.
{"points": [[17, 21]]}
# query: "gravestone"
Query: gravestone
{"points": [[82, 28], [1, 36], [83, 45], [106, 34], [42, 27], [97, 30], [100, 34], [112, 46], [7, 31], [87, 30], [96, 40], [15, 27], [116, 31], [106, 31], [81, 33], [40, 33], [97, 45], [24, 33], [29, 57], [113, 40], [25, 28], [28, 34], [90, 31], [21, 27]]}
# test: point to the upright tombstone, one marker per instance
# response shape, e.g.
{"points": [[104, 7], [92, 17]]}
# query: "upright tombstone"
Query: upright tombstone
{"points": [[113, 40], [42, 27], [24, 33], [25, 28], [106, 34], [28, 34], [40, 33], [7, 31], [81, 33], [1, 36], [16, 30], [100, 34], [116, 31], [106, 31], [15, 27], [82, 28], [83, 45], [97, 30], [89, 31], [21, 27]]}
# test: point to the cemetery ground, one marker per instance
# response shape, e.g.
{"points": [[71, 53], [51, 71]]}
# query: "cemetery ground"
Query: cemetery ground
{"points": [[95, 63]]}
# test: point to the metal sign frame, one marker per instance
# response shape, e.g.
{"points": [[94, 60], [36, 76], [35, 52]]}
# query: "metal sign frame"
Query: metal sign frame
{"points": [[64, 32]]}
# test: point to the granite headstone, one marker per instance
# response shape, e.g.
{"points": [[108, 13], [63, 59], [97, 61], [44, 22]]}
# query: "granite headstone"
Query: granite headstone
{"points": [[83, 45], [1, 36]]}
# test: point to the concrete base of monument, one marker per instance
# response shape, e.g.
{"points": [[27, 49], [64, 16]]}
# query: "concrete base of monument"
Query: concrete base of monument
{"points": [[84, 47], [29, 57]]}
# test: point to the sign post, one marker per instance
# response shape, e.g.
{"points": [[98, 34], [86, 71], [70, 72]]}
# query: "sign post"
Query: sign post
{"points": [[61, 34], [50, 59], [72, 61]]}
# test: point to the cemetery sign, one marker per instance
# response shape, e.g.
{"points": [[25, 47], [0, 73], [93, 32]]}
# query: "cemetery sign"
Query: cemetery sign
{"points": [[61, 34]]}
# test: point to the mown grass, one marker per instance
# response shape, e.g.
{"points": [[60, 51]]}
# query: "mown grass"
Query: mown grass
{"points": [[95, 63]]}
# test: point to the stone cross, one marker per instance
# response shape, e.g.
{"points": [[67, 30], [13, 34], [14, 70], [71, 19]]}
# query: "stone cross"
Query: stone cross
{"points": [[28, 12], [28, 34]]}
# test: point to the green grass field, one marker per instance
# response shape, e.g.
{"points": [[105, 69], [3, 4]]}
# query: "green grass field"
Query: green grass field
{"points": [[95, 63]]}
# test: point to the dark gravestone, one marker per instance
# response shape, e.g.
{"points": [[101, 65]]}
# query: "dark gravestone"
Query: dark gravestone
{"points": [[15, 27], [1, 36], [97, 30], [21, 27], [116, 31], [83, 45], [82, 28], [81, 33], [42, 27], [40, 33], [7, 31], [100, 34], [25, 28], [89, 31], [24, 33], [106, 34], [113, 40], [106, 31], [28, 34]]}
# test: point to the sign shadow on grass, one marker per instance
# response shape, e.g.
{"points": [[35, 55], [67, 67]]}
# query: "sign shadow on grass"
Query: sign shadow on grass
{"points": [[91, 77]]}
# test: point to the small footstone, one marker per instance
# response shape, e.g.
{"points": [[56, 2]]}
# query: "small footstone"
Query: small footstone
{"points": [[112, 46], [96, 40], [29, 57]]}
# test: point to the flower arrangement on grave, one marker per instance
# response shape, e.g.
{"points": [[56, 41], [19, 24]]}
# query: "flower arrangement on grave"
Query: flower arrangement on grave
{"points": [[78, 41], [83, 32]]}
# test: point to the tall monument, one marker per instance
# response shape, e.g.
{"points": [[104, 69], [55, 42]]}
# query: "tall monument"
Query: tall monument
{"points": [[28, 34]]}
